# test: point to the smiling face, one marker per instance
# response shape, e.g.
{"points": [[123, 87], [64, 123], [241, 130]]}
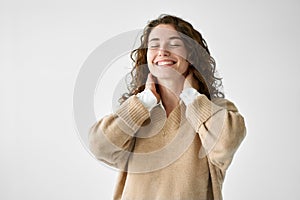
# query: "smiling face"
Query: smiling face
{"points": [[166, 55]]}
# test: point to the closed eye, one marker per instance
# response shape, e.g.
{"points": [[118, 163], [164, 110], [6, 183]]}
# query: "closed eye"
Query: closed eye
{"points": [[175, 45], [153, 45]]}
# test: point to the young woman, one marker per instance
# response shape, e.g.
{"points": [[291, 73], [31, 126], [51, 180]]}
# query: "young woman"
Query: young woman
{"points": [[174, 134]]}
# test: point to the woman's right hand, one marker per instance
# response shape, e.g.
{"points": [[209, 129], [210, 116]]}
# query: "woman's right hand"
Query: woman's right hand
{"points": [[150, 84]]}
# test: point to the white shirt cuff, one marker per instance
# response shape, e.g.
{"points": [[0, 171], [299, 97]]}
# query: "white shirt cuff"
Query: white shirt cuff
{"points": [[188, 95], [147, 98]]}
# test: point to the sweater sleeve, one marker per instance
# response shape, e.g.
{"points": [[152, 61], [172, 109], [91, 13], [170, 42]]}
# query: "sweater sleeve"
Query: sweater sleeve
{"points": [[220, 126], [112, 138]]}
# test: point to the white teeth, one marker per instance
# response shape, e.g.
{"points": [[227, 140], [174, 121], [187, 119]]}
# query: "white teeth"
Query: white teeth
{"points": [[165, 63]]}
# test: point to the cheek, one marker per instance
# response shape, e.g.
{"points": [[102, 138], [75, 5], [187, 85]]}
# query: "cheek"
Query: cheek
{"points": [[182, 54], [149, 56], [149, 60], [184, 67]]}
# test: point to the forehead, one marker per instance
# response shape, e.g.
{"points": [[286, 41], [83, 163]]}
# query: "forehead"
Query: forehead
{"points": [[163, 31]]}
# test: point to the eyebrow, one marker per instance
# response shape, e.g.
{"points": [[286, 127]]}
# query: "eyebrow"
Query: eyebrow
{"points": [[170, 38]]}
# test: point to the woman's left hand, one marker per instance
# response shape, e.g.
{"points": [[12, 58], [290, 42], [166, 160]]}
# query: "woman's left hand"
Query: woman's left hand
{"points": [[190, 81]]}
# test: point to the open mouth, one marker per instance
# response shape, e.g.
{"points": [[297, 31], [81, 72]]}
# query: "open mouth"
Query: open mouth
{"points": [[165, 63]]}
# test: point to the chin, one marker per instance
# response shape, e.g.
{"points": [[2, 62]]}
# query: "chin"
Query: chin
{"points": [[166, 73]]}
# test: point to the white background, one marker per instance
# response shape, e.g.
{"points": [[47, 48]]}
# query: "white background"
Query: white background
{"points": [[43, 44]]}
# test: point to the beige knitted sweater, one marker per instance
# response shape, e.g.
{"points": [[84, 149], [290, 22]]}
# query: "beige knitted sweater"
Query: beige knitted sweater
{"points": [[180, 157]]}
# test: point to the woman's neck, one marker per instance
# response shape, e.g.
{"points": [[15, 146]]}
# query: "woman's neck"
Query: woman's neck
{"points": [[169, 93]]}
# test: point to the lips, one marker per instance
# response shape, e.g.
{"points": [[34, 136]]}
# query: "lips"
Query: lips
{"points": [[165, 62]]}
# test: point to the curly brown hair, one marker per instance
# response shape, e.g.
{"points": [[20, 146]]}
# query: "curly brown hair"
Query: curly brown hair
{"points": [[202, 64]]}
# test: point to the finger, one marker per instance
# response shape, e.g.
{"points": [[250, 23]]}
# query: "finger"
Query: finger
{"points": [[150, 81], [190, 75], [188, 80]]}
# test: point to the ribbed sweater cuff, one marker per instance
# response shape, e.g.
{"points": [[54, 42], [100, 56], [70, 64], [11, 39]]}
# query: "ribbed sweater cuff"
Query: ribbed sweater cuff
{"points": [[200, 110], [133, 113]]}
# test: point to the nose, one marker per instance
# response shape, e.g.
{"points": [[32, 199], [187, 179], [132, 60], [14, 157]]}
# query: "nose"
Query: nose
{"points": [[163, 52]]}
